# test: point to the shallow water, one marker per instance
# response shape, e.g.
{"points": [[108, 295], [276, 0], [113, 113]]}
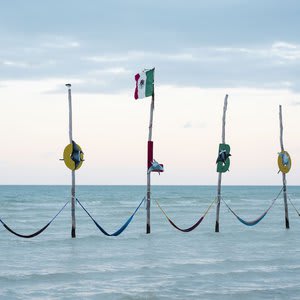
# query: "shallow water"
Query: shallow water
{"points": [[261, 262]]}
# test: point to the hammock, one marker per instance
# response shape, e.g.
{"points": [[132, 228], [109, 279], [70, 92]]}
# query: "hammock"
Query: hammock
{"points": [[256, 221], [189, 229], [122, 228], [28, 236]]}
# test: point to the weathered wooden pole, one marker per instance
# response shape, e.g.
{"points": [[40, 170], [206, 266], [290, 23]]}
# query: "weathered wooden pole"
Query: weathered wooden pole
{"points": [[73, 230], [148, 226], [217, 226], [287, 223]]}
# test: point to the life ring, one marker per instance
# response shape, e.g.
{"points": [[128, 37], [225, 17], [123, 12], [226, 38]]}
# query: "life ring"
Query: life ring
{"points": [[73, 156], [284, 162]]}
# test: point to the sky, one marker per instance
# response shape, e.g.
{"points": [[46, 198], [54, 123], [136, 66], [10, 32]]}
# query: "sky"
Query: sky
{"points": [[201, 51]]}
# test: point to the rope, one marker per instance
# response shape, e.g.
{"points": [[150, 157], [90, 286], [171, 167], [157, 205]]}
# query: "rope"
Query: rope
{"points": [[193, 226], [294, 206], [256, 221], [37, 232], [122, 228]]}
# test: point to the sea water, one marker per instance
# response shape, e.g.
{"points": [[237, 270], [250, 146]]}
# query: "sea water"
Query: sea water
{"points": [[239, 262]]}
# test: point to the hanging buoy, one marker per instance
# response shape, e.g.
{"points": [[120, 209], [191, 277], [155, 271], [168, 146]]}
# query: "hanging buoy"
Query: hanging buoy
{"points": [[73, 156], [284, 162], [223, 161]]}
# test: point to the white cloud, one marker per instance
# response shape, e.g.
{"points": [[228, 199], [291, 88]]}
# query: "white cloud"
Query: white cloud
{"points": [[194, 124], [28, 65], [272, 65], [187, 125], [58, 42], [114, 71], [15, 64], [187, 55], [286, 51], [283, 50], [106, 58], [61, 45]]}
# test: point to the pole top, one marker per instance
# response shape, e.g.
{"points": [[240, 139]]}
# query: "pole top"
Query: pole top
{"points": [[68, 85]]}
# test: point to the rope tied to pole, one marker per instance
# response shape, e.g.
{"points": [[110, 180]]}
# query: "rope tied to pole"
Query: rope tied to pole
{"points": [[189, 229], [28, 236], [297, 211], [257, 220], [121, 229]]}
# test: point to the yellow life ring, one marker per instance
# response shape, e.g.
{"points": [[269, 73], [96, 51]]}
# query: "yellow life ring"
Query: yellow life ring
{"points": [[284, 162], [73, 156]]}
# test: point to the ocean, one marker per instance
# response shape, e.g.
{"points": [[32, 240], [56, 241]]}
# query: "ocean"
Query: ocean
{"points": [[239, 262]]}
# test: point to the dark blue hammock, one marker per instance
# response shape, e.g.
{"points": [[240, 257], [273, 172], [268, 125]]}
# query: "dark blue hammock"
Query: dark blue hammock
{"points": [[119, 231], [28, 236]]}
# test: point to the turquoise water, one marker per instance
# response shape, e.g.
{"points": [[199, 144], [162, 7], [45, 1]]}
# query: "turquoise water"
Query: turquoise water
{"points": [[261, 262]]}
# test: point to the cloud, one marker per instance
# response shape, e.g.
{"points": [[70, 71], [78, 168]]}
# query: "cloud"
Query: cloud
{"points": [[273, 65], [61, 45], [283, 50], [286, 51], [114, 71], [15, 64], [187, 125], [106, 59], [190, 124]]}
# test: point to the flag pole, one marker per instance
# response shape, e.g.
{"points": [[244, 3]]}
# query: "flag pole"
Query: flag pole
{"points": [[220, 173], [148, 226], [287, 222], [73, 230]]}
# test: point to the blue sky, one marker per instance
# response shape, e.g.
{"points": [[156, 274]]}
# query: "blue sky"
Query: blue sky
{"points": [[210, 48]]}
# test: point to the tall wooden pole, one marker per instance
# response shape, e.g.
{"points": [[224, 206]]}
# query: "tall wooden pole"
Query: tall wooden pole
{"points": [[217, 226], [148, 227], [287, 222], [73, 230]]}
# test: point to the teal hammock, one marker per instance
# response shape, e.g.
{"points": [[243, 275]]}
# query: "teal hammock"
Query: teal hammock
{"points": [[28, 236], [122, 228], [256, 221]]}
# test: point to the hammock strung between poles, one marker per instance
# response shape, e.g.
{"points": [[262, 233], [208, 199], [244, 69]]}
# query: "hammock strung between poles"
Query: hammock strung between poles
{"points": [[28, 236], [189, 229], [122, 228], [256, 221]]}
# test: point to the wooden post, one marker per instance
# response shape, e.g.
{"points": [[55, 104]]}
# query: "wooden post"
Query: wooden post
{"points": [[73, 230], [148, 227], [287, 223], [217, 226]]}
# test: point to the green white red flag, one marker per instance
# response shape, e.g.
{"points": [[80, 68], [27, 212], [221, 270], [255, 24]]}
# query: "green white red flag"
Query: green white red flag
{"points": [[144, 84]]}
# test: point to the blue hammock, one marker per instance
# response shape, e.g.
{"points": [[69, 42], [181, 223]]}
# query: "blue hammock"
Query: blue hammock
{"points": [[251, 223], [256, 221], [119, 231]]}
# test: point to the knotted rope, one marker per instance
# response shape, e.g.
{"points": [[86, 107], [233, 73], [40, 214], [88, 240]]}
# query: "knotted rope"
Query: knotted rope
{"points": [[256, 221], [37, 232], [122, 228], [193, 226]]}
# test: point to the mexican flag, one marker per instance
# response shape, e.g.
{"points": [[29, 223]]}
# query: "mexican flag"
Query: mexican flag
{"points": [[144, 84]]}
